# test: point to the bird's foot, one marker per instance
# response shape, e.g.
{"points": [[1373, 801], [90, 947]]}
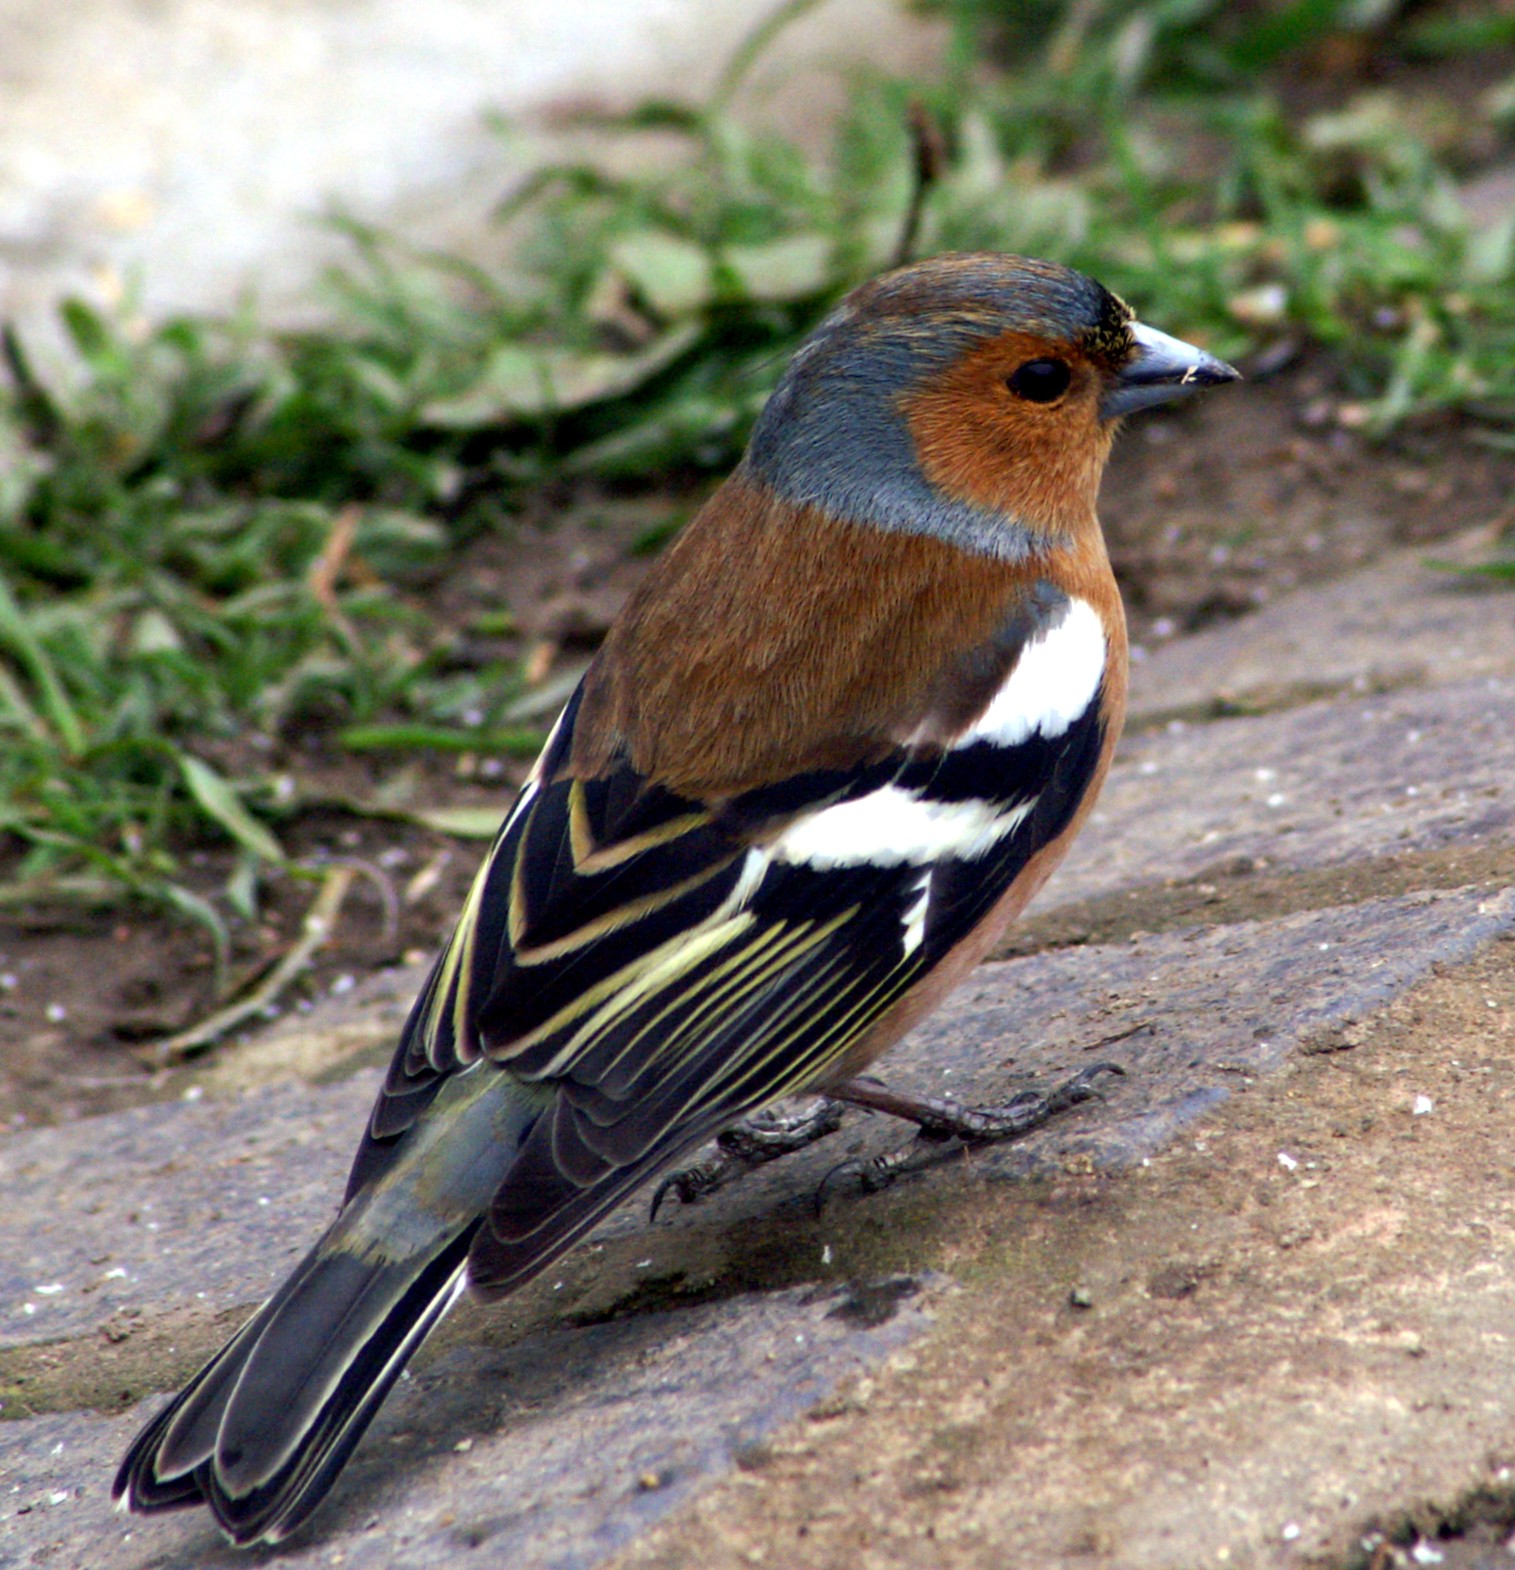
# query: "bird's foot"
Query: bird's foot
{"points": [[753, 1142], [940, 1122]]}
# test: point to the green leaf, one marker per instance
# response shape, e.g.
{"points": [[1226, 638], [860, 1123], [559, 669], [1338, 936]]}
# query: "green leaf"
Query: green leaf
{"points": [[87, 328], [153, 633], [16, 630], [523, 743], [1490, 258], [467, 823], [216, 798], [1500, 571], [520, 383], [796, 268], [674, 277], [200, 911], [1478, 30], [242, 888]]}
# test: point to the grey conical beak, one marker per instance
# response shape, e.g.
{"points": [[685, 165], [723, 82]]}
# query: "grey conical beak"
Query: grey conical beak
{"points": [[1161, 370]]}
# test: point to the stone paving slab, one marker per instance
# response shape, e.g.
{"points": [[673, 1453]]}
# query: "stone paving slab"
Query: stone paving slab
{"points": [[1400, 622], [552, 1453], [200, 1201], [227, 1195], [566, 1431], [1317, 786], [1190, 1015]]}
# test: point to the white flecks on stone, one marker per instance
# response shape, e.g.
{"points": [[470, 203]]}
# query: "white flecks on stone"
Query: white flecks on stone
{"points": [[1424, 1105], [1054, 681], [893, 827]]}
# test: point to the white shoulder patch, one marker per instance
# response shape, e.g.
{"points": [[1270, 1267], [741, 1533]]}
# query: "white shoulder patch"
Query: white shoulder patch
{"points": [[892, 827], [1053, 682]]}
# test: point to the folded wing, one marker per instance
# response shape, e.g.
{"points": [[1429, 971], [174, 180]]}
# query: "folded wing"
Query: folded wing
{"points": [[661, 966]]}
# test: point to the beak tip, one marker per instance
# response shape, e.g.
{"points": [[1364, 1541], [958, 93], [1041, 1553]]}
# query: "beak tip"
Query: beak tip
{"points": [[1163, 369]]}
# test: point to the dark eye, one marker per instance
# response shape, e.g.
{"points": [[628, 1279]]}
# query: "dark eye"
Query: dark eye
{"points": [[1040, 381]]}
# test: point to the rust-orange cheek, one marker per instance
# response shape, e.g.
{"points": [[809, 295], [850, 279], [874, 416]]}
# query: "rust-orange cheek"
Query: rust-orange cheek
{"points": [[976, 443]]}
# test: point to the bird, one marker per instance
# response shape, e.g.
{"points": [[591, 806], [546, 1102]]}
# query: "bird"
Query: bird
{"points": [[834, 743]]}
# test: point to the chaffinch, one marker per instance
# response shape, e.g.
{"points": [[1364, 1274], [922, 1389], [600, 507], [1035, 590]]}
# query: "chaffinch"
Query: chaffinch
{"points": [[833, 745]]}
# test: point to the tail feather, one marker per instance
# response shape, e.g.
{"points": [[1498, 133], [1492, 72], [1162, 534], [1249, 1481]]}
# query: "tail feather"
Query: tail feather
{"points": [[337, 1329], [262, 1431], [264, 1428], [271, 1505], [145, 1480], [192, 1423]]}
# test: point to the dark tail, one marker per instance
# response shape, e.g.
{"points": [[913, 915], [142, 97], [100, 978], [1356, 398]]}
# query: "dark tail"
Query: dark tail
{"points": [[262, 1431]]}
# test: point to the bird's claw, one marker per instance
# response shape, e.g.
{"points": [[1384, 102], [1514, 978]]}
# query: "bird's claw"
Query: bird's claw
{"points": [[691, 1184], [753, 1142], [941, 1122]]}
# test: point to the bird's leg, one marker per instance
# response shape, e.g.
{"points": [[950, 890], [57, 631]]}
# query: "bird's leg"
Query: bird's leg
{"points": [[940, 1120], [769, 1134], [753, 1142]]}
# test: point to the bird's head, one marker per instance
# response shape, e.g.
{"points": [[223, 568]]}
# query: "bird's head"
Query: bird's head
{"points": [[971, 397]]}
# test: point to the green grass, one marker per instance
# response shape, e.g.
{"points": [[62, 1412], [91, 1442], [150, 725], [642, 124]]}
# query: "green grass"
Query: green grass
{"points": [[216, 538]]}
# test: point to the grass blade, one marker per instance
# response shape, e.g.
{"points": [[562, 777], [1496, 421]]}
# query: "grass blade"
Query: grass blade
{"points": [[16, 631], [218, 800]]}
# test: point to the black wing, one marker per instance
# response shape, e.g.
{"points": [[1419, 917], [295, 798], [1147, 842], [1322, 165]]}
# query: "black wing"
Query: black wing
{"points": [[662, 966]]}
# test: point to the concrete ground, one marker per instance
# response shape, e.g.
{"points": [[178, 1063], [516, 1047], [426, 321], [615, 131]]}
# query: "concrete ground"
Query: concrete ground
{"points": [[1252, 1308]]}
